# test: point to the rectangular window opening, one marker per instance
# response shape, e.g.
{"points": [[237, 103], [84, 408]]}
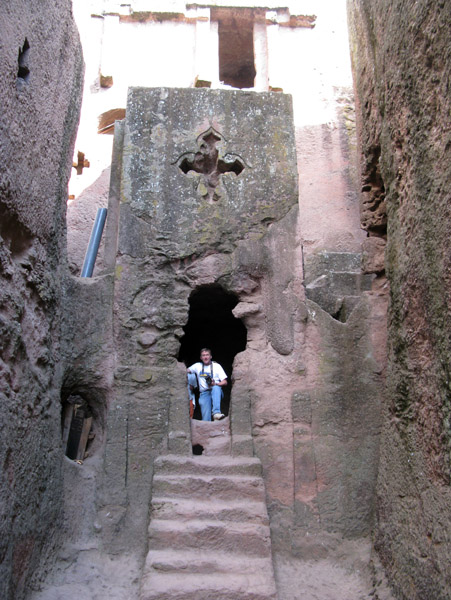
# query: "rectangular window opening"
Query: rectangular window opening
{"points": [[236, 46]]}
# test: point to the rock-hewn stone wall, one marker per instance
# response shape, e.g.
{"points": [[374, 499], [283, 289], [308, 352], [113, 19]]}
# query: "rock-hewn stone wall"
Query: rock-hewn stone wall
{"points": [[178, 230], [41, 72], [306, 390], [401, 60]]}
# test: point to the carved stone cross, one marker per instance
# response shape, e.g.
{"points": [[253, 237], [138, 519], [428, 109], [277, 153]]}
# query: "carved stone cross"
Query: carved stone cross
{"points": [[209, 165]]}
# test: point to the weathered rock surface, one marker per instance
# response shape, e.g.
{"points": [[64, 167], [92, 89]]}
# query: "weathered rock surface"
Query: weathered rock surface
{"points": [[401, 57], [239, 143], [373, 255], [163, 255], [41, 71], [178, 231], [335, 281]]}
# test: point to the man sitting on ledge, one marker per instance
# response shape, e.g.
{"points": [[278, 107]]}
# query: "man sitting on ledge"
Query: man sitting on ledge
{"points": [[209, 377]]}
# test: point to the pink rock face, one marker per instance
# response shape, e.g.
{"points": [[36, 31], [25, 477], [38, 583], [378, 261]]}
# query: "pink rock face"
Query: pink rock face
{"points": [[373, 255], [305, 395], [327, 201]]}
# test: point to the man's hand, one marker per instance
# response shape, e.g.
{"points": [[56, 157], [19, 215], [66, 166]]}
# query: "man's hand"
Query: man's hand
{"points": [[220, 383], [189, 371]]}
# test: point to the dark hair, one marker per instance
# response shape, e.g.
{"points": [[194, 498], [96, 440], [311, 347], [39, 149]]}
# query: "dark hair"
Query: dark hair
{"points": [[205, 350]]}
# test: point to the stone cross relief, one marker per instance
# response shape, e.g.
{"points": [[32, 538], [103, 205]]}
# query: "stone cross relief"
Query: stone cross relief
{"points": [[209, 164]]}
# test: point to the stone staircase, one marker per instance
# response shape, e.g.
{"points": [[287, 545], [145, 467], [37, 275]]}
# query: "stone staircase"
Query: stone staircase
{"points": [[209, 531]]}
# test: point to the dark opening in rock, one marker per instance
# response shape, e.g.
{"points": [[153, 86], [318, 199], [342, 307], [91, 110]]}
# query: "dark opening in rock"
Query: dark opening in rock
{"points": [[211, 324], [197, 449], [81, 426], [23, 70], [16, 237], [236, 46]]}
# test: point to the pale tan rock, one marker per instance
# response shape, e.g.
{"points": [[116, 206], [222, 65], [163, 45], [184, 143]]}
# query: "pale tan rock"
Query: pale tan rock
{"points": [[212, 436], [243, 309], [147, 339]]}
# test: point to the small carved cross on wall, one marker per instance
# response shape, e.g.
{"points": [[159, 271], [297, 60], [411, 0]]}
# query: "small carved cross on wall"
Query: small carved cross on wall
{"points": [[82, 163], [209, 165]]}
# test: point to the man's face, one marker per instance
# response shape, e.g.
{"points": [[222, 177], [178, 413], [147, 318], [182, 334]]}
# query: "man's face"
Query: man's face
{"points": [[205, 357]]}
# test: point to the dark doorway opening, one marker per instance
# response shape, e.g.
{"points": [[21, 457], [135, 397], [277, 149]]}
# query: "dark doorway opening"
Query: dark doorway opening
{"points": [[23, 70], [236, 46], [82, 421], [211, 324], [76, 427]]}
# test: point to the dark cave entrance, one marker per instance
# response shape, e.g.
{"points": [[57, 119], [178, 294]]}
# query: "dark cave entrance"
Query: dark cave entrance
{"points": [[211, 324]]}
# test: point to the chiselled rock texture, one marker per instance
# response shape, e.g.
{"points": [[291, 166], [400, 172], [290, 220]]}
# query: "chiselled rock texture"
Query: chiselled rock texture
{"points": [[402, 61], [214, 438], [334, 280], [41, 72], [184, 148]]}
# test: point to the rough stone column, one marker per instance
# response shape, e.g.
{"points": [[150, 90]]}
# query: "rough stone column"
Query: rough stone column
{"points": [[208, 197]]}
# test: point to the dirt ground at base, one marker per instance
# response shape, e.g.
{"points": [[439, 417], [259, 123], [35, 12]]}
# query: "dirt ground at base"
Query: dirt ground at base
{"points": [[87, 574], [95, 578], [325, 579]]}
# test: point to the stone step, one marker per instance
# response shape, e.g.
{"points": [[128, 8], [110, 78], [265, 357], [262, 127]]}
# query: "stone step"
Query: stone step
{"points": [[218, 586], [207, 465], [168, 561], [209, 534], [214, 436], [210, 510], [250, 538], [228, 487]]}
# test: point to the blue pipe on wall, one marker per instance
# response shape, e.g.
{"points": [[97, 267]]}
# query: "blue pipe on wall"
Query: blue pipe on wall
{"points": [[94, 243]]}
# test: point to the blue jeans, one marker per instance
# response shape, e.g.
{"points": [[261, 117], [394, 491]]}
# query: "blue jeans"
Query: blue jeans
{"points": [[208, 399]]}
